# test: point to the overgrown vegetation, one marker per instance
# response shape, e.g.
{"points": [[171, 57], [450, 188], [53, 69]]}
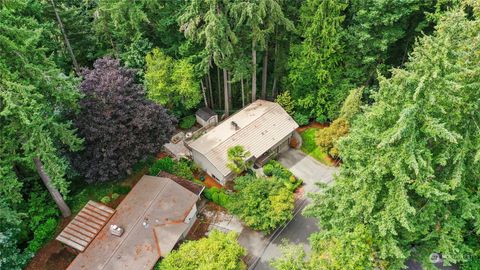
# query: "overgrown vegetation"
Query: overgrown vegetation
{"points": [[183, 168], [218, 196], [261, 203], [187, 122], [217, 251], [328, 137], [415, 142]]}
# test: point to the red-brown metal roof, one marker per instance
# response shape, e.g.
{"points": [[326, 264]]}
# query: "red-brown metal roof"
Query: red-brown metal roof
{"points": [[160, 202]]}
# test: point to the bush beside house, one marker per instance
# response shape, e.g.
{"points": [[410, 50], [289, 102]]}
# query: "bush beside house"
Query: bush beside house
{"points": [[217, 251], [274, 169], [261, 203]]}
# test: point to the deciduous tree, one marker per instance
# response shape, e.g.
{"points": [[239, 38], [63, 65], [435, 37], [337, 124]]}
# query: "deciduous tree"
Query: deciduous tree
{"points": [[119, 124], [171, 83], [217, 251], [263, 204]]}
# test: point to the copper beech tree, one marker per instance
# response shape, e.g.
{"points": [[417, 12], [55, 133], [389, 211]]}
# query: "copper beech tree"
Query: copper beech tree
{"points": [[119, 124]]}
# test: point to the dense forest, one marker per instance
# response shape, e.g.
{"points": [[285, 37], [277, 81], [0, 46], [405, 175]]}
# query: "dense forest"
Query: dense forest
{"points": [[91, 88]]}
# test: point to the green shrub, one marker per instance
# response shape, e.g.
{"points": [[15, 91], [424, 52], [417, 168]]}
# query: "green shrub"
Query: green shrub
{"points": [[183, 169], [275, 169], [146, 162], [218, 196], [42, 234], [473, 264], [268, 169], [120, 189], [223, 199], [165, 164], [278, 170], [215, 197], [321, 118], [301, 119], [40, 208], [105, 199], [115, 196], [261, 203], [187, 122]]}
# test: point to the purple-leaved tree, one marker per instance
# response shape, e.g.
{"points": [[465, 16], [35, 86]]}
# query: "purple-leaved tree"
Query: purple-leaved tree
{"points": [[119, 124]]}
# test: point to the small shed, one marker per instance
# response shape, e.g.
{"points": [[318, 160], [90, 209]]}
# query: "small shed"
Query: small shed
{"points": [[206, 117]]}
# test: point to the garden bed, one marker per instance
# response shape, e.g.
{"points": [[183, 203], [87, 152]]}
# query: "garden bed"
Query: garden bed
{"points": [[310, 146]]}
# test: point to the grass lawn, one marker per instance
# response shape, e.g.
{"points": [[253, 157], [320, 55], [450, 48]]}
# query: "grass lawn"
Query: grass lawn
{"points": [[310, 147]]}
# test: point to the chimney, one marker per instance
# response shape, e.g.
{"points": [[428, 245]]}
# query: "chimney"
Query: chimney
{"points": [[235, 125]]}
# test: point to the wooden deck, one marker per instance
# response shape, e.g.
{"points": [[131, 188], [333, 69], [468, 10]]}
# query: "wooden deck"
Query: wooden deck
{"points": [[81, 231]]}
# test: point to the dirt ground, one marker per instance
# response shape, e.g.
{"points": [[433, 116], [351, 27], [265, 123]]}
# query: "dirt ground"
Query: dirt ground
{"points": [[312, 125]]}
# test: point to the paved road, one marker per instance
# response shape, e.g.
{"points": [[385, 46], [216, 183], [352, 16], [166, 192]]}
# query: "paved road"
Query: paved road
{"points": [[300, 228]]}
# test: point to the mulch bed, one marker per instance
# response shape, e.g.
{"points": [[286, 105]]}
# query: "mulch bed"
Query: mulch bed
{"points": [[53, 256], [210, 182], [312, 125]]}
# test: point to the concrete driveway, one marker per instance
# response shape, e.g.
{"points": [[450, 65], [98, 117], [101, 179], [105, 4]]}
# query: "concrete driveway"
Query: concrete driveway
{"points": [[307, 168], [300, 228]]}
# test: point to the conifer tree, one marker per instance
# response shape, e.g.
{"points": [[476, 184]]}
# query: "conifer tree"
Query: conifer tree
{"points": [[410, 179]]}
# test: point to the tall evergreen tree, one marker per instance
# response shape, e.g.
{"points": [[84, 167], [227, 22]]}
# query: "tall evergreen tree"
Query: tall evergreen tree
{"points": [[410, 180], [35, 97], [261, 17], [315, 64], [207, 23]]}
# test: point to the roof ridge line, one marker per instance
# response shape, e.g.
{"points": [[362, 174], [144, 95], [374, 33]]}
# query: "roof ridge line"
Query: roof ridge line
{"points": [[124, 237], [206, 153]]}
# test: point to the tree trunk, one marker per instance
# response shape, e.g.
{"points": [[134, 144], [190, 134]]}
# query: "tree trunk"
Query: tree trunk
{"points": [[247, 95], [229, 76], [274, 86], [254, 72], [219, 89], [264, 73], [57, 197], [203, 93], [65, 38], [225, 92], [243, 94], [210, 88]]}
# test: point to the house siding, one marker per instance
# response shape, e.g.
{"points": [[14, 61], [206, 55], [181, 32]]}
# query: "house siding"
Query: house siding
{"points": [[208, 167]]}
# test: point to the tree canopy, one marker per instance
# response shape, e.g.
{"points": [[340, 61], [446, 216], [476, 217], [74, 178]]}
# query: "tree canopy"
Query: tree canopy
{"points": [[409, 182], [171, 83], [217, 251], [262, 203], [119, 124]]}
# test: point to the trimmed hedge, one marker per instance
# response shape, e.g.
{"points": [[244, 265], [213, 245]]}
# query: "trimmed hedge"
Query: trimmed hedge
{"points": [[216, 195]]}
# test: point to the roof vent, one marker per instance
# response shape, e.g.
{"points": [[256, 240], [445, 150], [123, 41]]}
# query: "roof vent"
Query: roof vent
{"points": [[235, 125]]}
